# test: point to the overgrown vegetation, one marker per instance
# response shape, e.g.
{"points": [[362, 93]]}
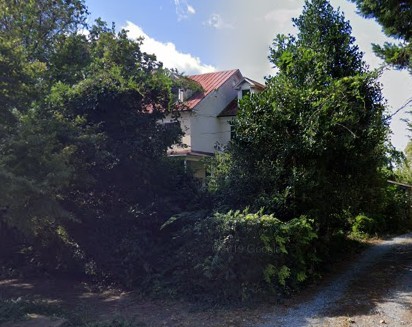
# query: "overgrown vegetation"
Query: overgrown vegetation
{"points": [[83, 166], [237, 255], [315, 141], [87, 188]]}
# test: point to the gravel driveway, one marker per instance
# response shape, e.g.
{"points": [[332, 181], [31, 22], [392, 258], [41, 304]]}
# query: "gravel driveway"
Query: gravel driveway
{"points": [[376, 290]]}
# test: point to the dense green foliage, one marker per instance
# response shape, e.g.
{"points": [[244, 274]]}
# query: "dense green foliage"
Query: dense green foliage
{"points": [[86, 186], [404, 171], [313, 143], [395, 17], [237, 255], [82, 154]]}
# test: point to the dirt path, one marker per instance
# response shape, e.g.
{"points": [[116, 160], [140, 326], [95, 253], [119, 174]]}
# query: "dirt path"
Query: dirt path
{"points": [[78, 306], [376, 290]]}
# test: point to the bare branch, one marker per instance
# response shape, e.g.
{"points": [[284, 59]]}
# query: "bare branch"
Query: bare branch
{"points": [[353, 134], [405, 105]]}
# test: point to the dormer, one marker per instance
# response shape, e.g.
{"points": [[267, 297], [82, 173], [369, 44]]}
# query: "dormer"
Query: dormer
{"points": [[248, 86]]}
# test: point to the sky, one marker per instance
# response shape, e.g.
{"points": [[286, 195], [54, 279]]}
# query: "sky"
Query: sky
{"points": [[200, 36]]}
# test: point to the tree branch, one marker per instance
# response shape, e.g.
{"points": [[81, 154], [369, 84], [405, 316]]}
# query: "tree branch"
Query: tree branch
{"points": [[406, 104]]}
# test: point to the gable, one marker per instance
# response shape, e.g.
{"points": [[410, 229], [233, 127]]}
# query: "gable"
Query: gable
{"points": [[209, 83]]}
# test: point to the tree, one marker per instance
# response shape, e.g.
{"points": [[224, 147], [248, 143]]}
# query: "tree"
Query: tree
{"points": [[82, 153], [395, 17], [314, 141], [32, 161], [29, 34], [39, 24]]}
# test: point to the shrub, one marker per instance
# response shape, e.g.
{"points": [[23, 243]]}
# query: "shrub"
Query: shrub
{"points": [[397, 211], [364, 225], [391, 213], [236, 255]]}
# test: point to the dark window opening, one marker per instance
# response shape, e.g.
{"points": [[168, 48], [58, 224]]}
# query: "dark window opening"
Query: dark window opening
{"points": [[245, 93]]}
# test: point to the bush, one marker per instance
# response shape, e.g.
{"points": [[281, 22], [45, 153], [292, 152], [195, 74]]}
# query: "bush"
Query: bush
{"points": [[364, 225], [397, 211], [236, 255], [391, 213]]}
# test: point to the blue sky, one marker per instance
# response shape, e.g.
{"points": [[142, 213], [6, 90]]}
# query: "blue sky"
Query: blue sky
{"points": [[198, 36]]}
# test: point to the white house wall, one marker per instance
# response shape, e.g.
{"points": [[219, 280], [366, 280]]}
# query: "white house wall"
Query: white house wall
{"points": [[245, 86], [224, 129], [207, 129], [185, 124]]}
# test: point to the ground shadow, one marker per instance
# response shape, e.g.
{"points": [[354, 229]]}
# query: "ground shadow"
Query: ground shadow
{"points": [[383, 281], [81, 304]]}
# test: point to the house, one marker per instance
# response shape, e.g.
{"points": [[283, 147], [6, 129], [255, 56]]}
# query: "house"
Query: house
{"points": [[206, 116]]}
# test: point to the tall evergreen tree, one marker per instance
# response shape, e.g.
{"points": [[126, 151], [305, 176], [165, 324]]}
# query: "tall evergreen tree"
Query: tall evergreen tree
{"points": [[314, 141], [395, 17]]}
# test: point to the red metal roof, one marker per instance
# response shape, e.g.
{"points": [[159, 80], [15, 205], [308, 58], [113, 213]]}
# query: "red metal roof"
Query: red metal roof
{"points": [[209, 82]]}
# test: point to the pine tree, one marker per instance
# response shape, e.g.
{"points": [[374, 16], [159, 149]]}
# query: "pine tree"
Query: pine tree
{"points": [[395, 17], [314, 141]]}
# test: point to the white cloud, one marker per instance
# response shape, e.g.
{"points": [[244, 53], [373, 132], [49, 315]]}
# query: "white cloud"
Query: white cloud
{"points": [[216, 21], [184, 9], [83, 31], [168, 54], [282, 17], [191, 10]]}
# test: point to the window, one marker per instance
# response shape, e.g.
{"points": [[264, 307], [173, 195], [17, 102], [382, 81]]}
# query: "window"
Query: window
{"points": [[172, 126], [245, 92]]}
